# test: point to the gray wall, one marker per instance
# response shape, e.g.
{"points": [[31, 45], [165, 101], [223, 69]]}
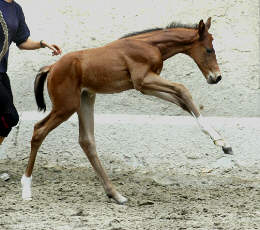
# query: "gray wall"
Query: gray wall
{"points": [[78, 24]]}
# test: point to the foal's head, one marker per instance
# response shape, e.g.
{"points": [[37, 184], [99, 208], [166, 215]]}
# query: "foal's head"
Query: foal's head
{"points": [[203, 53]]}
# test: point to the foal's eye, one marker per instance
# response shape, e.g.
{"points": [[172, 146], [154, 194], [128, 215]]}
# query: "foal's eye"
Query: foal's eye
{"points": [[209, 50]]}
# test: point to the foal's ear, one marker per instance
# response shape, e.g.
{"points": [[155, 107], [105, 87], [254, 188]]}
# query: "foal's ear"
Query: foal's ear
{"points": [[201, 29], [208, 23]]}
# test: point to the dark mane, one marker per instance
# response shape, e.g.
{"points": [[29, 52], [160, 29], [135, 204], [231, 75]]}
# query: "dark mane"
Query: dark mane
{"points": [[170, 26], [141, 32], [181, 25]]}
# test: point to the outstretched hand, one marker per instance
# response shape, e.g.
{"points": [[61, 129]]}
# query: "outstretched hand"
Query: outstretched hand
{"points": [[56, 50]]}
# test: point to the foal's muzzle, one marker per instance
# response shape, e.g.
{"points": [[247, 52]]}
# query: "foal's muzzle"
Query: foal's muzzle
{"points": [[214, 79]]}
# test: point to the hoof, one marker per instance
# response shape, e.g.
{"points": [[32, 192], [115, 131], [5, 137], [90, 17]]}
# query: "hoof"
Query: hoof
{"points": [[121, 200], [227, 150], [118, 198]]}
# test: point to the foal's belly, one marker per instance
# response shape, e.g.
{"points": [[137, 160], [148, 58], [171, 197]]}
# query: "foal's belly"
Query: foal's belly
{"points": [[105, 71], [107, 83]]}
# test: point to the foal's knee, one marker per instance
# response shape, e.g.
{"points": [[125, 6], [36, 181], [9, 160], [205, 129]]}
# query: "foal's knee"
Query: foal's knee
{"points": [[87, 144]]}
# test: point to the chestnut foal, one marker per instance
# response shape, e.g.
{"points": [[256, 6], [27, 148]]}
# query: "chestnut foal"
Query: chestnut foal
{"points": [[133, 62]]}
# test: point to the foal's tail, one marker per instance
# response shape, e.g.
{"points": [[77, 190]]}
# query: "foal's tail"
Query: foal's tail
{"points": [[39, 87]]}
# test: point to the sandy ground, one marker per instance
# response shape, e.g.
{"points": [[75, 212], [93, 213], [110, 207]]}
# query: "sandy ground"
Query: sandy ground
{"points": [[173, 176], [72, 198]]}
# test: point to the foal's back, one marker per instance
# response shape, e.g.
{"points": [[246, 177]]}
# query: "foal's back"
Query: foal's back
{"points": [[106, 69]]}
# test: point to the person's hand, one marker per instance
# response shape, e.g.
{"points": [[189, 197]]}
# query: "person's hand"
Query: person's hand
{"points": [[56, 50]]}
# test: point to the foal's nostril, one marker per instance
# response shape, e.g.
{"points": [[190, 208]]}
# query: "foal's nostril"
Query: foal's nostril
{"points": [[218, 78]]}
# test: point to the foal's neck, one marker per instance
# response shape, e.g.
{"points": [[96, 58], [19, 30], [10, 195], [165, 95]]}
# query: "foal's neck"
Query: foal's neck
{"points": [[173, 41]]}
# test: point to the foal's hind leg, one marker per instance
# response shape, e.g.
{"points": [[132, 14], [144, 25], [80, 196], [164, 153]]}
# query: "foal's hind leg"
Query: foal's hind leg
{"points": [[176, 93], [87, 143], [41, 130]]}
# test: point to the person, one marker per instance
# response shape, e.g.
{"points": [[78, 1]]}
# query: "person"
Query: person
{"points": [[19, 33]]}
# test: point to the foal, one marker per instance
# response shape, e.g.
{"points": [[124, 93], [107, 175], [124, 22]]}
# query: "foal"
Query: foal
{"points": [[132, 62]]}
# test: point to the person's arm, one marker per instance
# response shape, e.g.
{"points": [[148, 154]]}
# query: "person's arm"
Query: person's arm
{"points": [[29, 44]]}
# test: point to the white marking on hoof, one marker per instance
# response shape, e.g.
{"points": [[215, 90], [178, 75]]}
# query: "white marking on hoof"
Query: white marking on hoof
{"points": [[227, 149], [220, 143], [26, 187], [214, 135], [120, 199]]}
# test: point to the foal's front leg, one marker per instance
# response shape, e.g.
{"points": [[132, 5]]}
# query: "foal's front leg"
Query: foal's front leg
{"points": [[214, 135], [178, 94], [87, 143]]}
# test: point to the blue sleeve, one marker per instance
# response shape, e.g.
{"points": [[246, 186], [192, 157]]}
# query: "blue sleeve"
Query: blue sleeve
{"points": [[23, 31]]}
